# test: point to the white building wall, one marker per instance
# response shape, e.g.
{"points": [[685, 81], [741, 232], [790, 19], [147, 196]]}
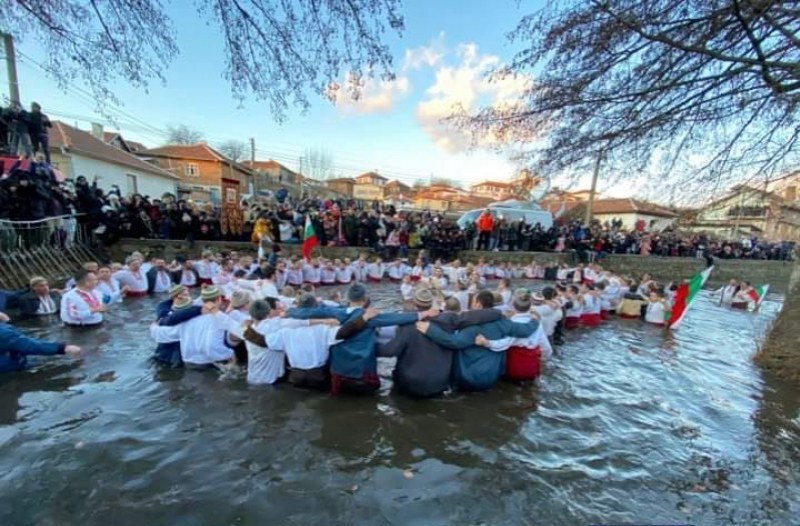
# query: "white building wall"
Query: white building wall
{"points": [[110, 174], [628, 220]]}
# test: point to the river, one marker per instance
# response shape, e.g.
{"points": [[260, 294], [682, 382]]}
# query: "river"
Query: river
{"points": [[626, 425]]}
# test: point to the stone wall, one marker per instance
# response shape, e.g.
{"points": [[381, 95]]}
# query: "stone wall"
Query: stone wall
{"points": [[776, 273]]}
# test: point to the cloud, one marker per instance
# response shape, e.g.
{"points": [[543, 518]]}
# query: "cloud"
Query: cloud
{"points": [[362, 96], [466, 87], [425, 56]]}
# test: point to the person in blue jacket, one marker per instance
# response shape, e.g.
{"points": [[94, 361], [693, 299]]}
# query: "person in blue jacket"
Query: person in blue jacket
{"points": [[170, 312], [477, 368], [15, 347], [354, 365]]}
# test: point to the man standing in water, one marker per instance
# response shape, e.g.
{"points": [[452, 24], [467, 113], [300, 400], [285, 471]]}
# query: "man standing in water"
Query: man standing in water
{"points": [[354, 365], [476, 368], [16, 347], [83, 306]]}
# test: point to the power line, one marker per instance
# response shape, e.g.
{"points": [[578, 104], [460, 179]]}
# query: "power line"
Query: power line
{"points": [[125, 121]]}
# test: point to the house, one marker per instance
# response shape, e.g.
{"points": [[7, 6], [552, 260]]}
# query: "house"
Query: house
{"points": [[746, 210], [76, 152], [631, 211], [443, 198], [396, 190], [371, 178], [116, 140], [342, 185], [495, 190], [370, 186], [274, 171], [202, 171]]}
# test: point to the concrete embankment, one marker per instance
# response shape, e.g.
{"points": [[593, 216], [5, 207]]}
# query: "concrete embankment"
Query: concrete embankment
{"points": [[776, 273]]}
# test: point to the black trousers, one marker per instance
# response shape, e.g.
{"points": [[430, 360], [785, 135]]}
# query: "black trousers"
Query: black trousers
{"points": [[483, 240]]}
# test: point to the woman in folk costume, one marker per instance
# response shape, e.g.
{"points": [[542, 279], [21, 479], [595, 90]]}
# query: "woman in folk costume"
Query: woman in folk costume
{"points": [[83, 306], [590, 314]]}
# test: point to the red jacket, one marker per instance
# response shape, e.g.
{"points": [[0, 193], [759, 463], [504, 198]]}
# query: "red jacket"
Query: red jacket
{"points": [[485, 222]]}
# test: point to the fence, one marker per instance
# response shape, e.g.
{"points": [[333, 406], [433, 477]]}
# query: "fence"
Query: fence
{"points": [[54, 247]]}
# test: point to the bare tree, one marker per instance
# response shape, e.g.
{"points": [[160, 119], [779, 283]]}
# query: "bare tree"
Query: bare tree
{"points": [[317, 163], [234, 150], [182, 134], [445, 181], [275, 50], [704, 91]]}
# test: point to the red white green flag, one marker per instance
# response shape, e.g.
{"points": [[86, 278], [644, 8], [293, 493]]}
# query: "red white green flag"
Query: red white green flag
{"points": [[757, 294], [686, 293], [309, 238]]}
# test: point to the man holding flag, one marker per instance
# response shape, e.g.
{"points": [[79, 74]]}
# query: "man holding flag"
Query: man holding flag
{"points": [[309, 238], [685, 295]]}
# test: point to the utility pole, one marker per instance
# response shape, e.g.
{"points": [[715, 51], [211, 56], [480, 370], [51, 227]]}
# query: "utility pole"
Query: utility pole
{"points": [[588, 219], [256, 183], [11, 65]]}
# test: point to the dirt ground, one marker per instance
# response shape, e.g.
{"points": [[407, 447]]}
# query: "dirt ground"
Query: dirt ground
{"points": [[780, 353]]}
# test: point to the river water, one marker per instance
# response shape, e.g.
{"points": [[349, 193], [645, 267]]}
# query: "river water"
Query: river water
{"points": [[627, 425]]}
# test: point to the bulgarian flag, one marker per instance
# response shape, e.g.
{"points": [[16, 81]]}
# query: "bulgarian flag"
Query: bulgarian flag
{"points": [[757, 294], [684, 296], [309, 238]]}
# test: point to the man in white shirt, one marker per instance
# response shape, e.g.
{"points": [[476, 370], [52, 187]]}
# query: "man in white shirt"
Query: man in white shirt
{"points": [[523, 356], [83, 306], [202, 338], [268, 288], [132, 278], [308, 348]]}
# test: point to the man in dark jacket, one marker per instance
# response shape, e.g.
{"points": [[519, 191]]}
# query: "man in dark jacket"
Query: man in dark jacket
{"points": [[423, 366], [354, 366], [40, 300], [38, 123], [15, 347], [476, 368]]}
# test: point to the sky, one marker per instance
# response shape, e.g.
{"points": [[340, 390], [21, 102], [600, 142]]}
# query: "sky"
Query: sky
{"points": [[395, 128]]}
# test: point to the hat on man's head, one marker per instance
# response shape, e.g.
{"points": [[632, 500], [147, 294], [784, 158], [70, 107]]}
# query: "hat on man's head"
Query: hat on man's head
{"points": [[239, 299], [181, 304], [176, 290], [357, 292], [537, 298], [210, 294], [521, 300], [423, 299]]}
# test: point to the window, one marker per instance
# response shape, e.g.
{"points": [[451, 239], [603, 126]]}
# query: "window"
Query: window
{"points": [[133, 187], [192, 170]]}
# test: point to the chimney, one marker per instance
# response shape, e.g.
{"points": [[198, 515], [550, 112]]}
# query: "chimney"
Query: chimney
{"points": [[97, 131]]}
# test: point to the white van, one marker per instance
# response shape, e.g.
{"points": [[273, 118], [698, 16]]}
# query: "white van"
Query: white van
{"points": [[511, 211]]}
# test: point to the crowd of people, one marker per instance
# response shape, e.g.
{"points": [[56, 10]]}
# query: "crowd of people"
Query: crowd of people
{"points": [[464, 326], [31, 190]]}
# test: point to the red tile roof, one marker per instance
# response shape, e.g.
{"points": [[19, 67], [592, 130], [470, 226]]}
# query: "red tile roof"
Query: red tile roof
{"points": [[629, 206], [197, 152], [500, 184], [84, 143]]}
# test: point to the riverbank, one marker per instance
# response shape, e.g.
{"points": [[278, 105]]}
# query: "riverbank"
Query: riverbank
{"points": [[776, 273], [780, 352]]}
